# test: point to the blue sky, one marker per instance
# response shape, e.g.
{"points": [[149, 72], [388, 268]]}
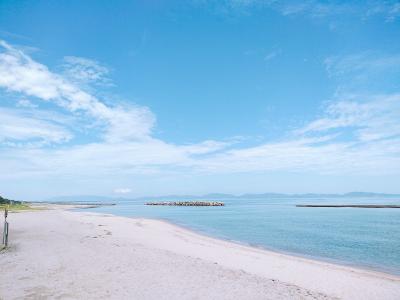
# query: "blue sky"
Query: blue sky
{"points": [[141, 98]]}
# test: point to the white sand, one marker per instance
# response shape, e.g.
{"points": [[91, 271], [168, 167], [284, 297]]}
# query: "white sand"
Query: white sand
{"points": [[58, 254]]}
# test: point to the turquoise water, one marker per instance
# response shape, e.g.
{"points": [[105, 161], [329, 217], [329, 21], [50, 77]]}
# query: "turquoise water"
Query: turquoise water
{"points": [[369, 238]]}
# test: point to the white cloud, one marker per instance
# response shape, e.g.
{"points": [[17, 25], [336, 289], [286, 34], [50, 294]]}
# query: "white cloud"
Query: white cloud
{"points": [[84, 70], [271, 55], [17, 127], [306, 7], [126, 144], [359, 135], [388, 10], [374, 148], [373, 119], [355, 134], [122, 191], [19, 73], [149, 156], [362, 64], [26, 103], [308, 155]]}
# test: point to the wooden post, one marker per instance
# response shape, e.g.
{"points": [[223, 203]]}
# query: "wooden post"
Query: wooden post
{"points": [[6, 235], [5, 231]]}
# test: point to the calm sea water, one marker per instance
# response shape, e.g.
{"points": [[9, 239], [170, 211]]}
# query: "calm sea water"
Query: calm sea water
{"points": [[369, 238]]}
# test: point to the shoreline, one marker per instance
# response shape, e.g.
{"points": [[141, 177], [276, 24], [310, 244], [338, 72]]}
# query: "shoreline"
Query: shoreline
{"points": [[269, 251], [156, 259], [357, 267], [354, 267], [291, 255], [383, 271]]}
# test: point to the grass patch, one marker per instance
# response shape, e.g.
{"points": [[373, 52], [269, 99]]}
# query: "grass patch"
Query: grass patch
{"points": [[16, 207]]}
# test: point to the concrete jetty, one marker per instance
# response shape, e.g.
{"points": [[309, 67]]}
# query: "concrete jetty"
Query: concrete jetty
{"points": [[349, 205]]}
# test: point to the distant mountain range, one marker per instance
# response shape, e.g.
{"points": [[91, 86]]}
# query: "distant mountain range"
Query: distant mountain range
{"points": [[216, 196], [84, 198]]}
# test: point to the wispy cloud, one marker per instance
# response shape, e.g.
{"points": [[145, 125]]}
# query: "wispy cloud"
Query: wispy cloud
{"points": [[360, 135], [19, 73], [367, 73], [388, 10], [354, 134], [315, 9], [362, 64], [271, 55], [26, 103], [18, 128], [372, 119], [122, 190], [304, 156], [374, 149], [84, 70], [8, 34]]}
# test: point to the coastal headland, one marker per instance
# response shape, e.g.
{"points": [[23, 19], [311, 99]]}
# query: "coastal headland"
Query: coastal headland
{"points": [[60, 254]]}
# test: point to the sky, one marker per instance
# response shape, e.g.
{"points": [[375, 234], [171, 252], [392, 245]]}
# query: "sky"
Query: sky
{"points": [[145, 98]]}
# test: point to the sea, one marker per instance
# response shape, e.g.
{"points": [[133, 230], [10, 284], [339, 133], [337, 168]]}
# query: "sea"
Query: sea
{"points": [[362, 237]]}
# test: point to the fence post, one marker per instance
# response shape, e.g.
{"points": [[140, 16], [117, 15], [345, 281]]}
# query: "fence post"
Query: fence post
{"points": [[5, 231]]}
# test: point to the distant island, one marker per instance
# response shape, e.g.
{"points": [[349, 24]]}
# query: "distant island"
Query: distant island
{"points": [[215, 196], [220, 196]]}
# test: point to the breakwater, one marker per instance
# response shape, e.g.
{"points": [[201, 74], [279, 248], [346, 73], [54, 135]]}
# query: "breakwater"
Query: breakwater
{"points": [[352, 206], [187, 203]]}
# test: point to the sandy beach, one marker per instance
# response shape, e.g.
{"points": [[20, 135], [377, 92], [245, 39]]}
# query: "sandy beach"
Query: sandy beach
{"points": [[59, 254]]}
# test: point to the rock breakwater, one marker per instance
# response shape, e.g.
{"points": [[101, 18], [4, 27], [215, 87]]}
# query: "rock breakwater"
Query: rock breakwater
{"points": [[188, 203]]}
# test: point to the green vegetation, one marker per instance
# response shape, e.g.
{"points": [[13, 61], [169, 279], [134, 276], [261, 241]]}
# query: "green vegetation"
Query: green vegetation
{"points": [[8, 201], [13, 205]]}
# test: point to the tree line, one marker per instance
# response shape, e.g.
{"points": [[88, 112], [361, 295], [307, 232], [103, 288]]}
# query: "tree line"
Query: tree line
{"points": [[8, 201]]}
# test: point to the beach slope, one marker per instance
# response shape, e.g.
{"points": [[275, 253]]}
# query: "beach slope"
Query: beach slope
{"points": [[59, 254]]}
